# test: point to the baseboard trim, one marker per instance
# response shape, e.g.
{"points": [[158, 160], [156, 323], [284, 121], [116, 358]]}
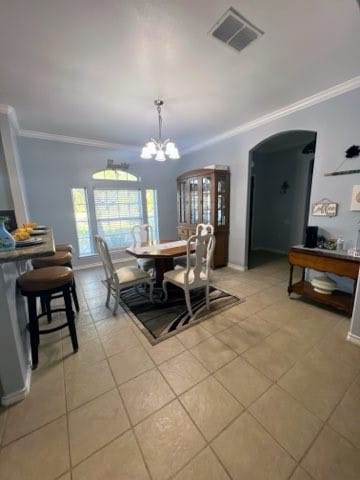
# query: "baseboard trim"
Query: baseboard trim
{"points": [[237, 267], [7, 400], [270, 250], [353, 339]]}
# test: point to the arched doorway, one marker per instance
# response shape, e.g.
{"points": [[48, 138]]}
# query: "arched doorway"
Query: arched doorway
{"points": [[280, 176]]}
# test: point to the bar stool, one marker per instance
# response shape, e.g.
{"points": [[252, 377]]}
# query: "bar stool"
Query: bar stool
{"points": [[64, 247], [43, 283], [60, 258]]}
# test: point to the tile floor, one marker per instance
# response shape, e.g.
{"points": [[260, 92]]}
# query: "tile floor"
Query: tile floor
{"points": [[267, 390]]}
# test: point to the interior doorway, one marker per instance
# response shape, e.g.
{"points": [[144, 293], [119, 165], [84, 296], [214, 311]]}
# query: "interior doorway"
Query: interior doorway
{"points": [[280, 177]]}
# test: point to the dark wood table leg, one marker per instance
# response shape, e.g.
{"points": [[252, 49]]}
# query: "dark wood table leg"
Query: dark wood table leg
{"points": [[162, 265]]}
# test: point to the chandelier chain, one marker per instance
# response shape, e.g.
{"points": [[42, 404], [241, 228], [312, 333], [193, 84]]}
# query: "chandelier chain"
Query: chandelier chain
{"points": [[160, 149], [160, 121]]}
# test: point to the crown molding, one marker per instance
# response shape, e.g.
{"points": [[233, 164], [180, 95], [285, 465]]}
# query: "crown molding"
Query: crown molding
{"points": [[319, 97], [74, 140], [322, 96]]}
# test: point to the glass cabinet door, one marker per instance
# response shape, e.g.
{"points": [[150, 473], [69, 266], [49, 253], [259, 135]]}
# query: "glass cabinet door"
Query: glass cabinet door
{"points": [[206, 199], [221, 202], [194, 199], [182, 201]]}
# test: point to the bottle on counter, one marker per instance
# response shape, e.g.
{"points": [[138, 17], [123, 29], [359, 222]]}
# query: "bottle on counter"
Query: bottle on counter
{"points": [[7, 242], [340, 244]]}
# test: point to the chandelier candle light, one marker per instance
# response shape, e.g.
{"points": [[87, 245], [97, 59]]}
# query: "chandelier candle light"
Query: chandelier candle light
{"points": [[158, 148]]}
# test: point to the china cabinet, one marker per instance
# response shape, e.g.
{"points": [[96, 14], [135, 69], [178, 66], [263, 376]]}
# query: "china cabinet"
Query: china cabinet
{"points": [[203, 196]]}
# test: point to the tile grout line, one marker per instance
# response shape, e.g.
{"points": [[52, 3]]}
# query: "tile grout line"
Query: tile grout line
{"points": [[66, 411]]}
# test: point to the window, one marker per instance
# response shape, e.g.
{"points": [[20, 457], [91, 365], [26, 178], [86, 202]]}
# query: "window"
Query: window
{"points": [[112, 210], [116, 212], [152, 214], [115, 175], [81, 211]]}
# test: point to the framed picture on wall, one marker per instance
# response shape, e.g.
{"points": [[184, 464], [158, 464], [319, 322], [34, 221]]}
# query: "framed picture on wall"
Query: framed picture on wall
{"points": [[355, 198], [324, 209]]}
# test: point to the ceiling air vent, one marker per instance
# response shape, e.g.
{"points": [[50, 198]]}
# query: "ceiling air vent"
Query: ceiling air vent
{"points": [[234, 30]]}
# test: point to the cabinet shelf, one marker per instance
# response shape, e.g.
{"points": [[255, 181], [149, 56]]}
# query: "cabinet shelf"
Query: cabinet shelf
{"points": [[338, 299]]}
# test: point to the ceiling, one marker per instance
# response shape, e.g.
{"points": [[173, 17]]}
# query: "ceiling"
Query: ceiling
{"points": [[92, 69]]}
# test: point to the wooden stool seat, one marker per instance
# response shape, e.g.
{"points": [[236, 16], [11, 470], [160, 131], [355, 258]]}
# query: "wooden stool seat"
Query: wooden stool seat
{"points": [[64, 247], [61, 258], [44, 283], [45, 279]]}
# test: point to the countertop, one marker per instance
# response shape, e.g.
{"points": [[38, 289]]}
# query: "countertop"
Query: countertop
{"points": [[33, 251], [323, 252]]}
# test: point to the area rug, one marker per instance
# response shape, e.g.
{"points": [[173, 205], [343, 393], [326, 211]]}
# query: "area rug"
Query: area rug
{"points": [[160, 320]]}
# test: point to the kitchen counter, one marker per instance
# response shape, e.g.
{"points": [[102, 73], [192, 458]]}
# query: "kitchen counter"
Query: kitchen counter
{"points": [[32, 251], [15, 364]]}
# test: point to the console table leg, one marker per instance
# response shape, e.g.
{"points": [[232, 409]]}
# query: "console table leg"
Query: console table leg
{"points": [[290, 279]]}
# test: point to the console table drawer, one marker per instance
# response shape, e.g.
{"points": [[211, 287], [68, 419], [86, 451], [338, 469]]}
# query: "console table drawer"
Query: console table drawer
{"points": [[342, 267]]}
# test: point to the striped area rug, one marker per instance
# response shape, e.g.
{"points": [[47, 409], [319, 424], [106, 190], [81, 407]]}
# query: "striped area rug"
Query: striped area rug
{"points": [[161, 320]]}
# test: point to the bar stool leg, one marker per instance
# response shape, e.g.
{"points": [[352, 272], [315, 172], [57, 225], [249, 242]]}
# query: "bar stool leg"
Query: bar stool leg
{"points": [[45, 306], [70, 318], [34, 331], [74, 296]]}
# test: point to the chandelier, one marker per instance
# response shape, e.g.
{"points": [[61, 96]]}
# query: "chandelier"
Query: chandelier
{"points": [[159, 149]]}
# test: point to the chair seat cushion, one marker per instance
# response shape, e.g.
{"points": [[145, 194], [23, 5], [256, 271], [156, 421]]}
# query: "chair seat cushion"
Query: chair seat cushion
{"points": [[131, 274], [178, 276]]}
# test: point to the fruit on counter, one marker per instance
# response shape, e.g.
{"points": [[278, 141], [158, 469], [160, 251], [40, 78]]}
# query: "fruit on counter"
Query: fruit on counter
{"points": [[30, 225], [21, 234]]}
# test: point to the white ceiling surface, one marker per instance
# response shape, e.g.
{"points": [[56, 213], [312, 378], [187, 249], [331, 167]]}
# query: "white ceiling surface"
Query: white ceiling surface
{"points": [[92, 69]]}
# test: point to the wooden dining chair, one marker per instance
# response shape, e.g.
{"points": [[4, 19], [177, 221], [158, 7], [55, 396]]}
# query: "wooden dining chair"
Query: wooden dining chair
{"points": [[195, 275], [118, 279], [201, 228], [144, 234]]}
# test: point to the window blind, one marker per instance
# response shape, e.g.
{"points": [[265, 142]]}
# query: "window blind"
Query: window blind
{"points": [[116, 212]]}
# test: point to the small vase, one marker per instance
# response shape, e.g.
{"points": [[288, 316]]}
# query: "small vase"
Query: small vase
{"points": [[7, 242]]}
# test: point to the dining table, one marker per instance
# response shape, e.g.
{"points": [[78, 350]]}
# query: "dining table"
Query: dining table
{"points": [[163, 254]]}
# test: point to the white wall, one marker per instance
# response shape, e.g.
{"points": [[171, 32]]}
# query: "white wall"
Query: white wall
{"points": [[51, 169]]}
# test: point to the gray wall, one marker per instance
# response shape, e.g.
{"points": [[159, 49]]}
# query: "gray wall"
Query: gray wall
{"points": [[51, 169], [14, 169], [336, 122], [6, 202]]}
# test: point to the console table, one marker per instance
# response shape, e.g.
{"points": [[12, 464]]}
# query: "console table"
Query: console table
{"points": [[330, 261]]}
